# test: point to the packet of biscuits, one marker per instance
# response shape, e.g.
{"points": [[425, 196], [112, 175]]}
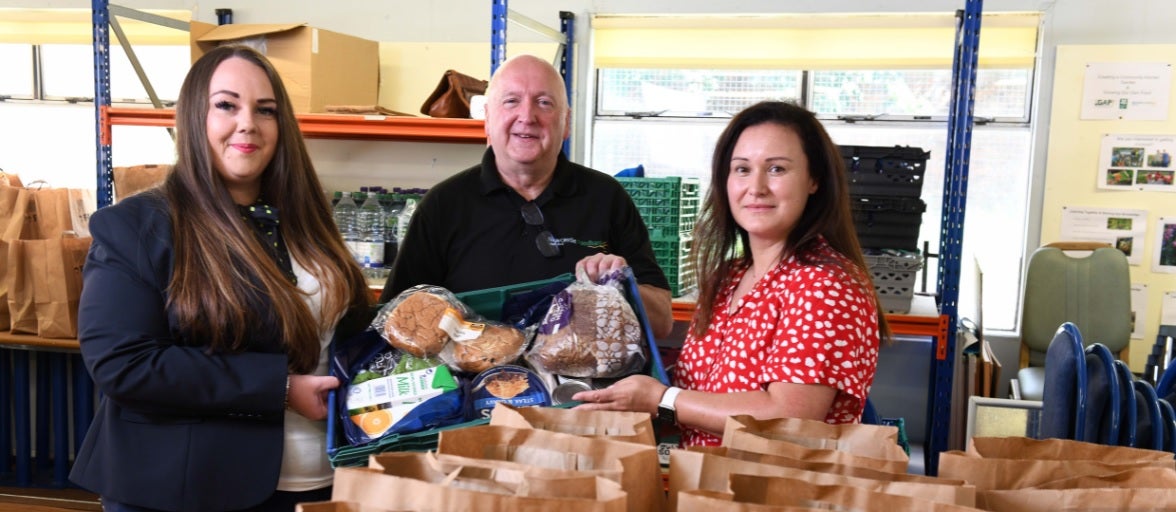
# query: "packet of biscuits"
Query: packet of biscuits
{"points": [[428, 321], [590, 330]]}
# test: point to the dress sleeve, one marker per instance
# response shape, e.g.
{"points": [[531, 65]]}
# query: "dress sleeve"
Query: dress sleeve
{"points": [[827, 333]]}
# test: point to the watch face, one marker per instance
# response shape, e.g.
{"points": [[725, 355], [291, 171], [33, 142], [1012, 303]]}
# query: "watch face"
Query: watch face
{"points": [[667, 415]]}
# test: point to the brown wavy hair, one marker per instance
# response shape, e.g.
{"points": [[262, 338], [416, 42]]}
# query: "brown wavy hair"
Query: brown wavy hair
{"points": [[826, 214], [220, 266]]}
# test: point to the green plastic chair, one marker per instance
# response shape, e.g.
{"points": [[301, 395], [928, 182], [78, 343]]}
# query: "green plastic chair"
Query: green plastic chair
{"points": [[1093, 292]]}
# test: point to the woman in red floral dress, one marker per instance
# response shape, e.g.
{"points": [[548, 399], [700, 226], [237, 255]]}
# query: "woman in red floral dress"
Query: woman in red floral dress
{"points": [[788, 323]]}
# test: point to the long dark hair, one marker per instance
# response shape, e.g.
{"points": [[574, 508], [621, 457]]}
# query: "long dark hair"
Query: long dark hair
{"points": [[220, 267], [826, 214]]}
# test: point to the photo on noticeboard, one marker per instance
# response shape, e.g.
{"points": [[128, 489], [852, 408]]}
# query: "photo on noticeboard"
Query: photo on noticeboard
{"points": [[1164, 257], [1137, 162]]}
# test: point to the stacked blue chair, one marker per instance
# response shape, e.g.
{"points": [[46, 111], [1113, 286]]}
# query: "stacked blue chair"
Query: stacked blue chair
{"points": [[1150, 429], [1127, 405], [1102, 397], [1063, 400], [1168, 415]]}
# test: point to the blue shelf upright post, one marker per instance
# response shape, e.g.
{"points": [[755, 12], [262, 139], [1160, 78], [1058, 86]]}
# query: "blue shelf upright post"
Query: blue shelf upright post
{"points": [[955, 195], [498, 10], [567, 26], [100, 18]]}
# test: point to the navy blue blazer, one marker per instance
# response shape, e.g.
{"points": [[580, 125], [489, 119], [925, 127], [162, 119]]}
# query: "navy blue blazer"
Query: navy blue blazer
{"points": [[177, 428]]}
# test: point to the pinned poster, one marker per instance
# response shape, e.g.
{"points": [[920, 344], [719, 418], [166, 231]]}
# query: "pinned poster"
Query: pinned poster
{"points": [[1138, 309], [1137, 162], [1123, 229], [1136, 91], [1164, 259], [1168, 309]]}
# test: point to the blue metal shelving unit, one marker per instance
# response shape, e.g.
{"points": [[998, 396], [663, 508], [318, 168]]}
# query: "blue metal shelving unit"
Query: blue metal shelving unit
{"points": [[955, 195], [100, 17]]}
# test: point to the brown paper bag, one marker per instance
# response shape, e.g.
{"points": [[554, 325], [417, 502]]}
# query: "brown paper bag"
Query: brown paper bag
{"points": [[1034, 500], [997, 474], [131, 180], [81, 206], [415, 483], [45, 215], [691, 470], [741, 437], [45, 285], [339, 506], [8, 179], [779, 491], [8, 213], [1160, 478], [1058, 449], [640, 470], [710, 501], [821, 467], [451, 97], [633, 427], [447, 463], [855, 438]]}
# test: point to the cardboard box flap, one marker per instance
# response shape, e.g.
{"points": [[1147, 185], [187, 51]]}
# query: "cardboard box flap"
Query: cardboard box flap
{"points": [[232, 32]]}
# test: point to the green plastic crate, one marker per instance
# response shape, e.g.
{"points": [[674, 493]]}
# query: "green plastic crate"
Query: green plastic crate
{"points": [[673, 256], [669, 206]]}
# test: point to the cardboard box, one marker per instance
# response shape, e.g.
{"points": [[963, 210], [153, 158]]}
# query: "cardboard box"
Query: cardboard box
{"points": [[319, 67]]}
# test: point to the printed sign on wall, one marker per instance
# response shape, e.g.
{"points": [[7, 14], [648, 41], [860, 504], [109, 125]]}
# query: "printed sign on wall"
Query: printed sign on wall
{"points": [[1137, 162], [1126, 90]]}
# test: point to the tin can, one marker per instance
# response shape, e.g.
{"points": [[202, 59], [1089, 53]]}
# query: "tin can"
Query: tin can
{"points": [[566, 388]]}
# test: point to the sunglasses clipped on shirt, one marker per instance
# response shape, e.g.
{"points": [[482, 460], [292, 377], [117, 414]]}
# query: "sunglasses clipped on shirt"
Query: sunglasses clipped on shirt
{"points": [[547, 243]]}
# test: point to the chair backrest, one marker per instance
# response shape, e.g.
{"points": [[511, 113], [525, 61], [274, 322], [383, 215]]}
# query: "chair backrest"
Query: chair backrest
{"points": [[1063, 399], [1093, 292]]}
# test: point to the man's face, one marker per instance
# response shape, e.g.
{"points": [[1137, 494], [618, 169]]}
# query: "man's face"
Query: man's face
{"points": [[527, 115]]}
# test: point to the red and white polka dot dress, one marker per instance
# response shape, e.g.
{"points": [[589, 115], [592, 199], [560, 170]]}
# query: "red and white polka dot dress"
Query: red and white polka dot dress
{"points": [[799, 324]]}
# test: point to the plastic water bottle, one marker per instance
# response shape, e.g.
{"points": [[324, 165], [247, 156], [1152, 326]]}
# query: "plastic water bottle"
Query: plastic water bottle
{"points": [[405, 217], [391, 218], [370, 224], [345, 213]]}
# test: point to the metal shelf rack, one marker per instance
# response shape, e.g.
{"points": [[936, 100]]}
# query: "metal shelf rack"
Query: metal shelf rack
{"points": [[321, 126]]}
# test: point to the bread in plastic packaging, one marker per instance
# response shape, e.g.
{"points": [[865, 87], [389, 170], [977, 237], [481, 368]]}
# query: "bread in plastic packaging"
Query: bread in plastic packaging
{"points": [[589, 331], [416, 320], [428, 321]]}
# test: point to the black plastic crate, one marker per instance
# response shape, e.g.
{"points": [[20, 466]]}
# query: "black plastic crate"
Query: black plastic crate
{"points": [[888, 222], [885, 170]]}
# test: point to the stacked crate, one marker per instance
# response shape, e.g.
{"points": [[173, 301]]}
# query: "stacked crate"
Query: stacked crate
{"points": [[885, 185], [669, 207]]}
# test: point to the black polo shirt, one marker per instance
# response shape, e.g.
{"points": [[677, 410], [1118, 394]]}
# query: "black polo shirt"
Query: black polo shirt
{"points": [[468, 232]]}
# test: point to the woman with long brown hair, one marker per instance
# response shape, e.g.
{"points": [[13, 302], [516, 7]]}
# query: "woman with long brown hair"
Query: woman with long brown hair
{"points": [[787, 322], [207, 308]]}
